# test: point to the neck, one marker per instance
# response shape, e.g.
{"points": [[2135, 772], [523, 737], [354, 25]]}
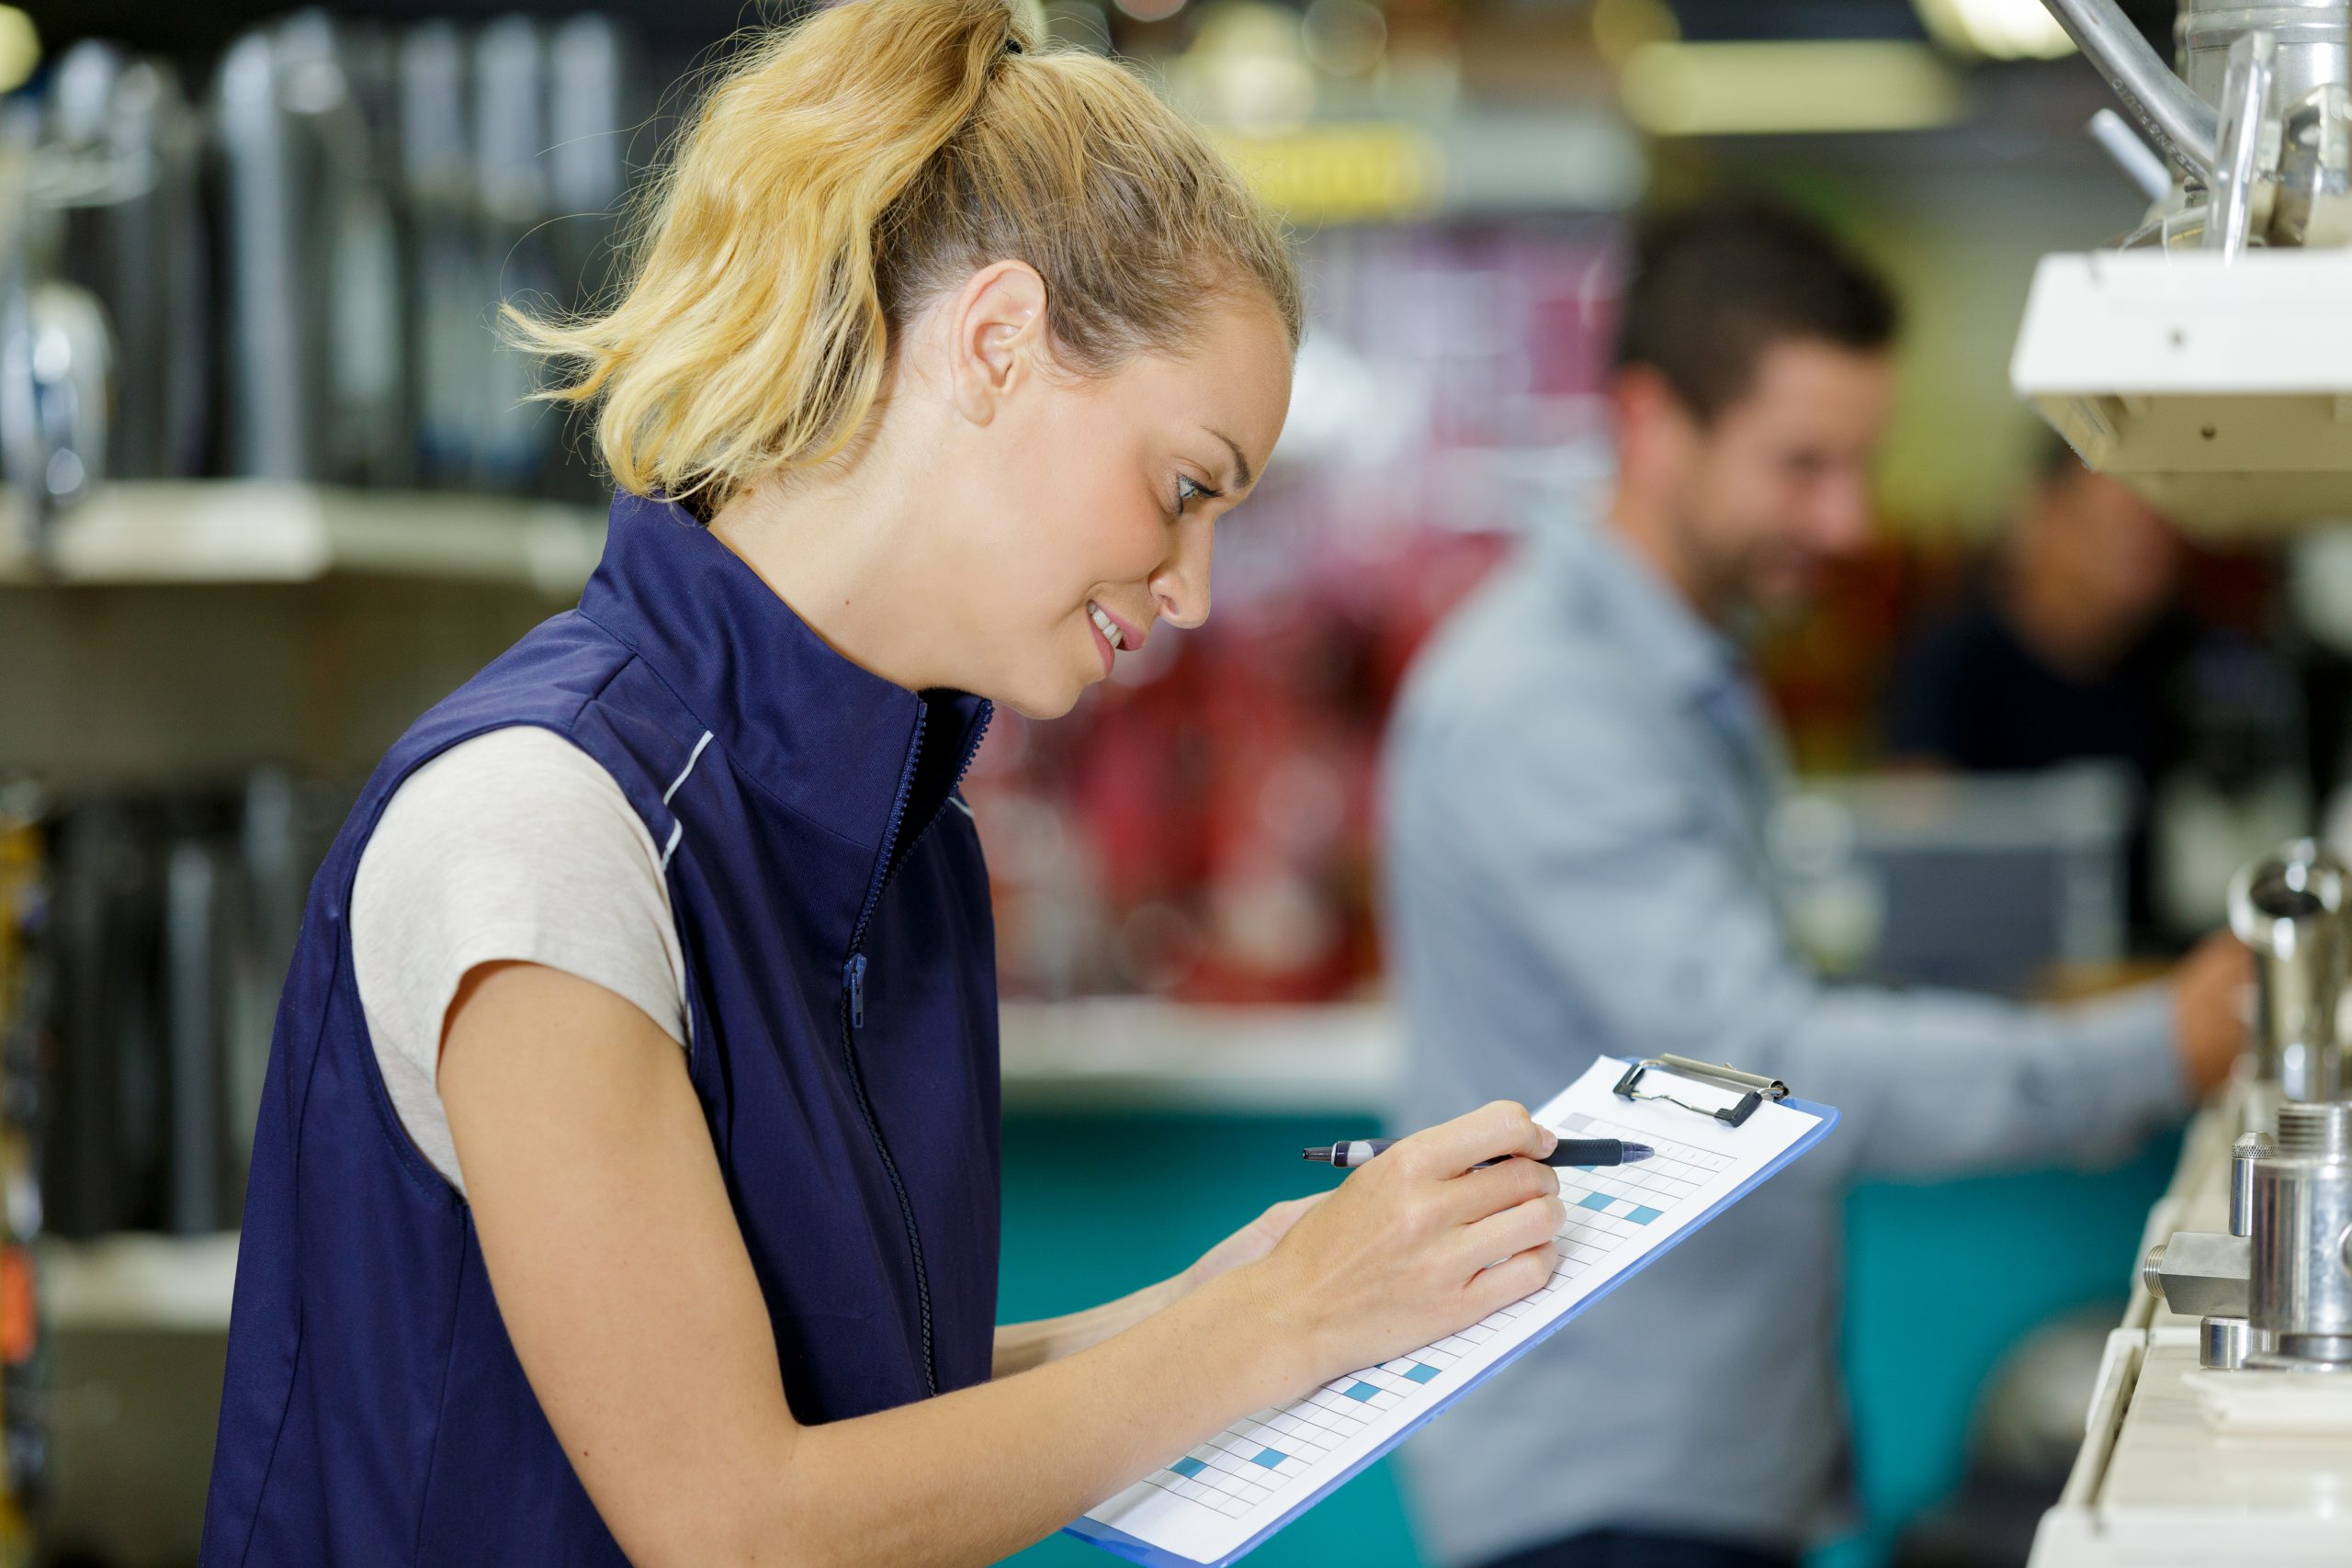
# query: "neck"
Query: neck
{"points": [[1646, 528], [840, 557]]}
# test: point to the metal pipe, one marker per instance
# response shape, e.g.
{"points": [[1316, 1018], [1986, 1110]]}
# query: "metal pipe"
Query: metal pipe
{"points": [[2185, 128], [2150, 173], [2288, 907]]}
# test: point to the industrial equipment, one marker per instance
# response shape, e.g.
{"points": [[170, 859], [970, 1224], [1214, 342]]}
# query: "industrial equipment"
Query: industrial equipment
{"points": [[2206, 357]]}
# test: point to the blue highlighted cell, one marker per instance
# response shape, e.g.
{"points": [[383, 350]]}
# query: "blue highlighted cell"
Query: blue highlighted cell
{"points": [[1188, 1467], [1270, 1457], [1359, 1392], [1421, 1374], [1644, 1216], [1597, 1201]]}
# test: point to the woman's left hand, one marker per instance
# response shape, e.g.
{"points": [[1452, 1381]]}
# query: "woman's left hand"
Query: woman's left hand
{"points": [[1247, 1245]]}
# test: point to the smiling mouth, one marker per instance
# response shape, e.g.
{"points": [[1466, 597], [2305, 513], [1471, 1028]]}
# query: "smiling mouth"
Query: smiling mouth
{"points": [[1106, 626]]}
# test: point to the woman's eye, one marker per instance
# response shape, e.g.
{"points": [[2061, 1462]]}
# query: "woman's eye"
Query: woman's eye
{"points": [[1190, 491]]}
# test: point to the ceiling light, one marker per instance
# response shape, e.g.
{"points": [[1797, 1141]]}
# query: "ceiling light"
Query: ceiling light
{"points": [[19, 48], [1998, 29]]}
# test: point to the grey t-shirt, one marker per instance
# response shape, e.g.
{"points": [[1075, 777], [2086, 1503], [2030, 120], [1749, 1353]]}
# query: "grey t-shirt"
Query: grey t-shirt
{"points": [[513, 845]]}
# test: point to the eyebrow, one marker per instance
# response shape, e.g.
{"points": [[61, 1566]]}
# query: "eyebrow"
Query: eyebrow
{"points": [[1240, 463]]}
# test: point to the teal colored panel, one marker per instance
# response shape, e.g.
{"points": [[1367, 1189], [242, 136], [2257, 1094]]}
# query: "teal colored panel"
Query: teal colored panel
{"points": [[2065, 1241], [1085, 1221]]}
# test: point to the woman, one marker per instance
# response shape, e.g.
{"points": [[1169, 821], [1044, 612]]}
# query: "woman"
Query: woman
{"points": [[626, 1174]]}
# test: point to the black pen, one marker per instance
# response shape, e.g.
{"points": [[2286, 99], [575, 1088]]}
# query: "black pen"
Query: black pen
{"points": [[1354, 1151]]}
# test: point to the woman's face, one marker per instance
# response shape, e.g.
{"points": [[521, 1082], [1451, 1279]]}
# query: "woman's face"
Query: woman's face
{"points": [[1087, 505]]}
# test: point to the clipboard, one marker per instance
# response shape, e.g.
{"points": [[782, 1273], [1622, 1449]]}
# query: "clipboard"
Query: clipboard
{"points": [[1662, 1079]]}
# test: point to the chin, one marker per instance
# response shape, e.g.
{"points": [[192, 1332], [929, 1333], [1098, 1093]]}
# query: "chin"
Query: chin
{"points": [[1042, 702], [1787, 590]]}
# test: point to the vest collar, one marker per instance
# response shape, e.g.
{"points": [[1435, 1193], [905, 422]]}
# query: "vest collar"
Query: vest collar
{"points": [[828, 739]]}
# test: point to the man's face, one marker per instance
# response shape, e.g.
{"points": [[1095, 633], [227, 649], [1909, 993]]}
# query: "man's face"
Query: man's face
{"points": [[2106, 552], [1777, 485]]}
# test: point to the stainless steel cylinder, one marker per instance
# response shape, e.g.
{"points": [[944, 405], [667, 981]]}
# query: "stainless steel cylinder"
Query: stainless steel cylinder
{"points": [[2288, 907], [2242, 1154], [2301, 1286], [2314, 43], [2223, 1343]]}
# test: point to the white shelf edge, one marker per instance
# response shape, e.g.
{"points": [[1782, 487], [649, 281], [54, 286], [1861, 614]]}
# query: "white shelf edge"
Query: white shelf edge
{"points": [[137, 1281], [1142, 1054], [221, 531]]}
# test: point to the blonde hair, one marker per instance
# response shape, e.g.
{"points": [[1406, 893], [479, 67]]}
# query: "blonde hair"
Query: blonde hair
{"points": [[849, 170]]}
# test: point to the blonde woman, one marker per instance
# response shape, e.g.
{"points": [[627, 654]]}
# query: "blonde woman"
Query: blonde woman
{"points": [[626, 1185]]}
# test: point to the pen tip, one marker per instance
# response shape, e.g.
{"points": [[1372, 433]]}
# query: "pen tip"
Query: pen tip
{"points": [[1322, 1153], [1637, 1152]]}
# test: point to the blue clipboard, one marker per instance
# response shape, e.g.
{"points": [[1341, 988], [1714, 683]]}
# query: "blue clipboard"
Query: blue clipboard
{"points": [[1119, 1543]]}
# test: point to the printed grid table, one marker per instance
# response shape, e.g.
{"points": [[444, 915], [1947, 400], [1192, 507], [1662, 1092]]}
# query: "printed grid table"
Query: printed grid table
{"points": [[1241, 1466]]}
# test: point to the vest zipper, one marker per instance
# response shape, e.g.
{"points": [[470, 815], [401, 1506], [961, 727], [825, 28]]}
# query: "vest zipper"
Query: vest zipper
{"points": [[853, 1020], [853, 1011]]}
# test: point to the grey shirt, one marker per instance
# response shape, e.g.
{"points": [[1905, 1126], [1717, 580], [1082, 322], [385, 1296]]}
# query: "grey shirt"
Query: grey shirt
{"points": [[1577, 780]]}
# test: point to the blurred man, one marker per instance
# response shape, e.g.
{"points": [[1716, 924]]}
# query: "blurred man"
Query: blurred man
{"points": [[2074, 653], [1578, 782]]}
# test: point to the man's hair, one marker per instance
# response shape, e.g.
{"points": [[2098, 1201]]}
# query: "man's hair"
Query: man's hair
{"points": [[2055, 462], [1717, 283]]}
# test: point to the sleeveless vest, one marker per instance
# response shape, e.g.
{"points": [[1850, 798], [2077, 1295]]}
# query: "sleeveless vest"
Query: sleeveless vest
{"points": [[833, 911]]}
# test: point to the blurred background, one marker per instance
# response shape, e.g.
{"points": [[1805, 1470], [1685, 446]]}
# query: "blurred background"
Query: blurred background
{"points": [[270, 490]]}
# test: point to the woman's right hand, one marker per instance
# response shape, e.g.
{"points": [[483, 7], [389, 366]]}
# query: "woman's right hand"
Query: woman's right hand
{"points": [[1419, 1242]]}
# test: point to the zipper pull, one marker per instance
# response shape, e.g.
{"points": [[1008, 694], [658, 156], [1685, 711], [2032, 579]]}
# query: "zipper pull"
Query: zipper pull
{"points": [[853, 976]]}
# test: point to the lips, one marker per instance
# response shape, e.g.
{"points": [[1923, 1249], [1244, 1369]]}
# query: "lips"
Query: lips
{"points": [[1102, 644], [1113, 632]]}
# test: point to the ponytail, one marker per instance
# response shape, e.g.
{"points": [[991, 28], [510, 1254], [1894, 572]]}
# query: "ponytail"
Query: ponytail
{"points": [[849, 170]]}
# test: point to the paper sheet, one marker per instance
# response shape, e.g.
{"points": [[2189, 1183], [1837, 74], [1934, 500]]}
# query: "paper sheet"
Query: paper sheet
{"points": [[1209, 1504]]}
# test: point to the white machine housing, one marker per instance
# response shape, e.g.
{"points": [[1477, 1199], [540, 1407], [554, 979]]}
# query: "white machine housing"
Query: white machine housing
{"points": [[2219, 387]]}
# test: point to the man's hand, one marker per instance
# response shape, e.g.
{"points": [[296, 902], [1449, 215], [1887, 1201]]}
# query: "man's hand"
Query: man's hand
{"points": [[2210, 1008]]}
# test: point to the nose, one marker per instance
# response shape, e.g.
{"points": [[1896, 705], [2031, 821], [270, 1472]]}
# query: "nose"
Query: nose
{"points": [[1180, 585]]}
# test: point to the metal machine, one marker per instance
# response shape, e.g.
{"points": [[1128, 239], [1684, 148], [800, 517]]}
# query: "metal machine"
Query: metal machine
{"points": [[2205, 359], [2274, 1293]]}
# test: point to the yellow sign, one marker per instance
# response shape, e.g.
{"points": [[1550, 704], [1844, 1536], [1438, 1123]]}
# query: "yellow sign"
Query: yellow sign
{"points": [[1340, 174]]}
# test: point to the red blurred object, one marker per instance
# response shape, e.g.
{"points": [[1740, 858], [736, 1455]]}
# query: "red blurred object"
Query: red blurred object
{"points": [[1201, 828]]}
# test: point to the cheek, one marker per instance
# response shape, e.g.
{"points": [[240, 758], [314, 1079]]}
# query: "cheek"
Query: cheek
{"points": [[1100, 527]]}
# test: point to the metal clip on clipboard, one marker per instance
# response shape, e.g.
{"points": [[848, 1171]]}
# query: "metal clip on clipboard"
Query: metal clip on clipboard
{"points": [[1756, 1089]]}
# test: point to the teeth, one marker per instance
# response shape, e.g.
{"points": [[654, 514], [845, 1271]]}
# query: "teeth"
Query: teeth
{"points": [[1109, 628]]}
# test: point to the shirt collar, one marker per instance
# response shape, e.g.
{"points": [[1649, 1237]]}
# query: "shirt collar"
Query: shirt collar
{"points": [[1615, 590], [826, 737]]}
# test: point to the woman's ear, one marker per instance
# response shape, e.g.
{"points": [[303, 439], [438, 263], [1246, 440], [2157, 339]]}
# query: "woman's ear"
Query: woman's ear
{"points": [[996, 337]]}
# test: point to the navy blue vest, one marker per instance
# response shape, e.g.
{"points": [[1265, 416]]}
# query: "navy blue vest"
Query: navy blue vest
{"points": [[841, 982]]}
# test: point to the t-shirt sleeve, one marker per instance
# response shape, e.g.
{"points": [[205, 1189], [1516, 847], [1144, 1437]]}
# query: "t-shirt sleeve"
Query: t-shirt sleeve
{"points": [[513, 846]]}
